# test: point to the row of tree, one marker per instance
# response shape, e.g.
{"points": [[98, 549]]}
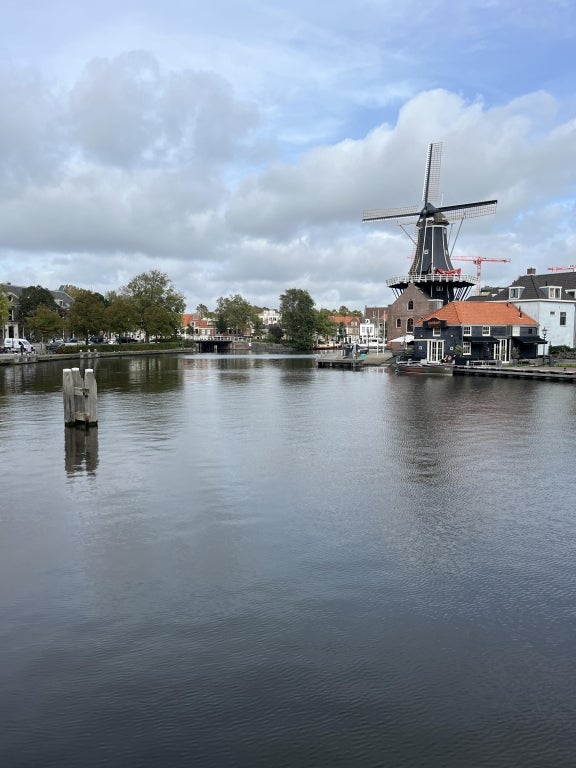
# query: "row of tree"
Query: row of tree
{"points": [[301, 323], [150, 304]]}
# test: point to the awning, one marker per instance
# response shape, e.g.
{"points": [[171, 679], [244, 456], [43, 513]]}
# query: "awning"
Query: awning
{"points": [[476, 339], [530, 339], [408, 339]]}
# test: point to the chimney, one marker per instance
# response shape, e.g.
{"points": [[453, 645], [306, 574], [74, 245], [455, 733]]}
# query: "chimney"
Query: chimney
{"points": [[531, 271]]}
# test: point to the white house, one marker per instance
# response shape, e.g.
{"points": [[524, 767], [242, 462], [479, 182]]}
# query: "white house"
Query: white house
{"points": [[550, 299]]}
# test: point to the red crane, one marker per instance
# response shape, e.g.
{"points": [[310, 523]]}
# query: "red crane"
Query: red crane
{"points": [[569, 268], [478, 261]]}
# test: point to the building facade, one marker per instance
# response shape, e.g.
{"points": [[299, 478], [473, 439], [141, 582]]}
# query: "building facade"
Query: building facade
{"points": [[14, 326], [550, 299], [407, 309], [477, 331]]}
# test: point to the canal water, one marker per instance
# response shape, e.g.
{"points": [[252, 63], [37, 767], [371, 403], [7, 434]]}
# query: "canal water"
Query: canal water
{"points": [[255, 563]]}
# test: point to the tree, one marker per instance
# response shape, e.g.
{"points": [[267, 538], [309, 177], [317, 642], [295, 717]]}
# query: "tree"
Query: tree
{"points": [[325, 326], [203, 311], [87, 315], [275, 332], [257, 323], [33, 297], [298, 318], [45, 322], [234, 315], [4, 307], [156, 303], [72, 290], [120, 315]]}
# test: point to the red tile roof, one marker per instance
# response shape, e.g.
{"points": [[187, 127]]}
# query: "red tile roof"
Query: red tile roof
{"points": [[480, 313]]}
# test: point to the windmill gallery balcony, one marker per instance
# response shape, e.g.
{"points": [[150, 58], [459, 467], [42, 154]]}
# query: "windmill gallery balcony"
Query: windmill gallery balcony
{"points": [[439, 276]]}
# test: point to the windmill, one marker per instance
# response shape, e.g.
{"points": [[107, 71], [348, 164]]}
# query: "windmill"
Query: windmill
{"points": [[431, 269], [478, 261]]}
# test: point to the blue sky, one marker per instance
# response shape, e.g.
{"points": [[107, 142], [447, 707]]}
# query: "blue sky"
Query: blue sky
{"points": [[234, 146]]}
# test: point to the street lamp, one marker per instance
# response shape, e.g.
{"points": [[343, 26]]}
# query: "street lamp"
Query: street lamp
{"points": [[544, 334]]}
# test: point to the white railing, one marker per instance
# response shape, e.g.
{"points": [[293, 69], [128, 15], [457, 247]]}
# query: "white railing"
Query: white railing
{"points": [[432, 278]]}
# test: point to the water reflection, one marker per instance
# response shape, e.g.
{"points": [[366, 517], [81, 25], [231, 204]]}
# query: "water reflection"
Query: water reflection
{"points": [[336, 564], [80, 450]]}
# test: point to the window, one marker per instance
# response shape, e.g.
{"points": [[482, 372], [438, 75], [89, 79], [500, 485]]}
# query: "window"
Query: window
{"points": [[410, 324], [562, 318], [410, 304], [553, 292], [398, 322], [485, 330], [466, 330], [514, 293], [466, 347], [436, 331]]}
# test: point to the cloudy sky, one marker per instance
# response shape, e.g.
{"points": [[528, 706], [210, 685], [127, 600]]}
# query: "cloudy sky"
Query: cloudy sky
{"points": [[235, 144]]}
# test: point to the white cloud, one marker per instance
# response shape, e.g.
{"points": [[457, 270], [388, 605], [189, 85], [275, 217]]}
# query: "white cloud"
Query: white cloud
{"points": [[238, 152]]}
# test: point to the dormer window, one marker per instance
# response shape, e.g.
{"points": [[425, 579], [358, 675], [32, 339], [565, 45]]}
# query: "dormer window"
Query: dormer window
{"points": [[554, 292], [514, 292]]}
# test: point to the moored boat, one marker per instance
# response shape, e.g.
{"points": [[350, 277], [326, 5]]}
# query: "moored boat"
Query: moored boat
{"points": [[423, 368]]}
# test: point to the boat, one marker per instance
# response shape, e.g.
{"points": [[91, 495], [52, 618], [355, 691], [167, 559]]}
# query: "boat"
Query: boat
{"points": [[424, 368]]}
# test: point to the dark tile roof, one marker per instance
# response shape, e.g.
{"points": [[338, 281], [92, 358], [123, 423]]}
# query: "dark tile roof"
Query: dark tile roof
{"points": [[535, 286], [58, 295]]}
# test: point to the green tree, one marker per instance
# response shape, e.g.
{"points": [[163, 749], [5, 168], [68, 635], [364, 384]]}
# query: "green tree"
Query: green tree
{"points": [[45, 322], [33, 297], [325, 326], [120, 316], [203, 311], [298, 318], [275, 333], [156, 303], [4, 308], [72, 290], [234, 315], [87, 315]]}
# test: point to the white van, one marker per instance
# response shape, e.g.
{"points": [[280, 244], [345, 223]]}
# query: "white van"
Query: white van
{"points": [[17, 345]]}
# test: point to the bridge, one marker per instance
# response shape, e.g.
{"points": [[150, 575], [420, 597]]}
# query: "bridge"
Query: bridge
{"points": [[221, 343]]}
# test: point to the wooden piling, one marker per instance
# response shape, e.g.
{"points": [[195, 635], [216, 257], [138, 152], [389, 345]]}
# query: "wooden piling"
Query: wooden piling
{"points": [[80, 398]]}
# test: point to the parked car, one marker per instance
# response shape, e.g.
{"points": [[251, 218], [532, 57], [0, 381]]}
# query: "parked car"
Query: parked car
{"points": [[17, 345], [54, 345], [127, 340]]}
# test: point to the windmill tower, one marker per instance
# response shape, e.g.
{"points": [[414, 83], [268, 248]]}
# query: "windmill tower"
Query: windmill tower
{"points": [[431, 269]]}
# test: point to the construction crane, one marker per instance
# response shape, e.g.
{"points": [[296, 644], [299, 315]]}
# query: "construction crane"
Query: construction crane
{"points": [[569, 268], [478, 261]]}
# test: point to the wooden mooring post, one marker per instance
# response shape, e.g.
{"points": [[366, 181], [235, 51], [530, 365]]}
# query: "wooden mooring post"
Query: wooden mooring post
{"points": [[80, 398]]}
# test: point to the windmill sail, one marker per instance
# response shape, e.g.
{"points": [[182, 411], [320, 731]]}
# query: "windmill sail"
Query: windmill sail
{"points": [[431, 262]]}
